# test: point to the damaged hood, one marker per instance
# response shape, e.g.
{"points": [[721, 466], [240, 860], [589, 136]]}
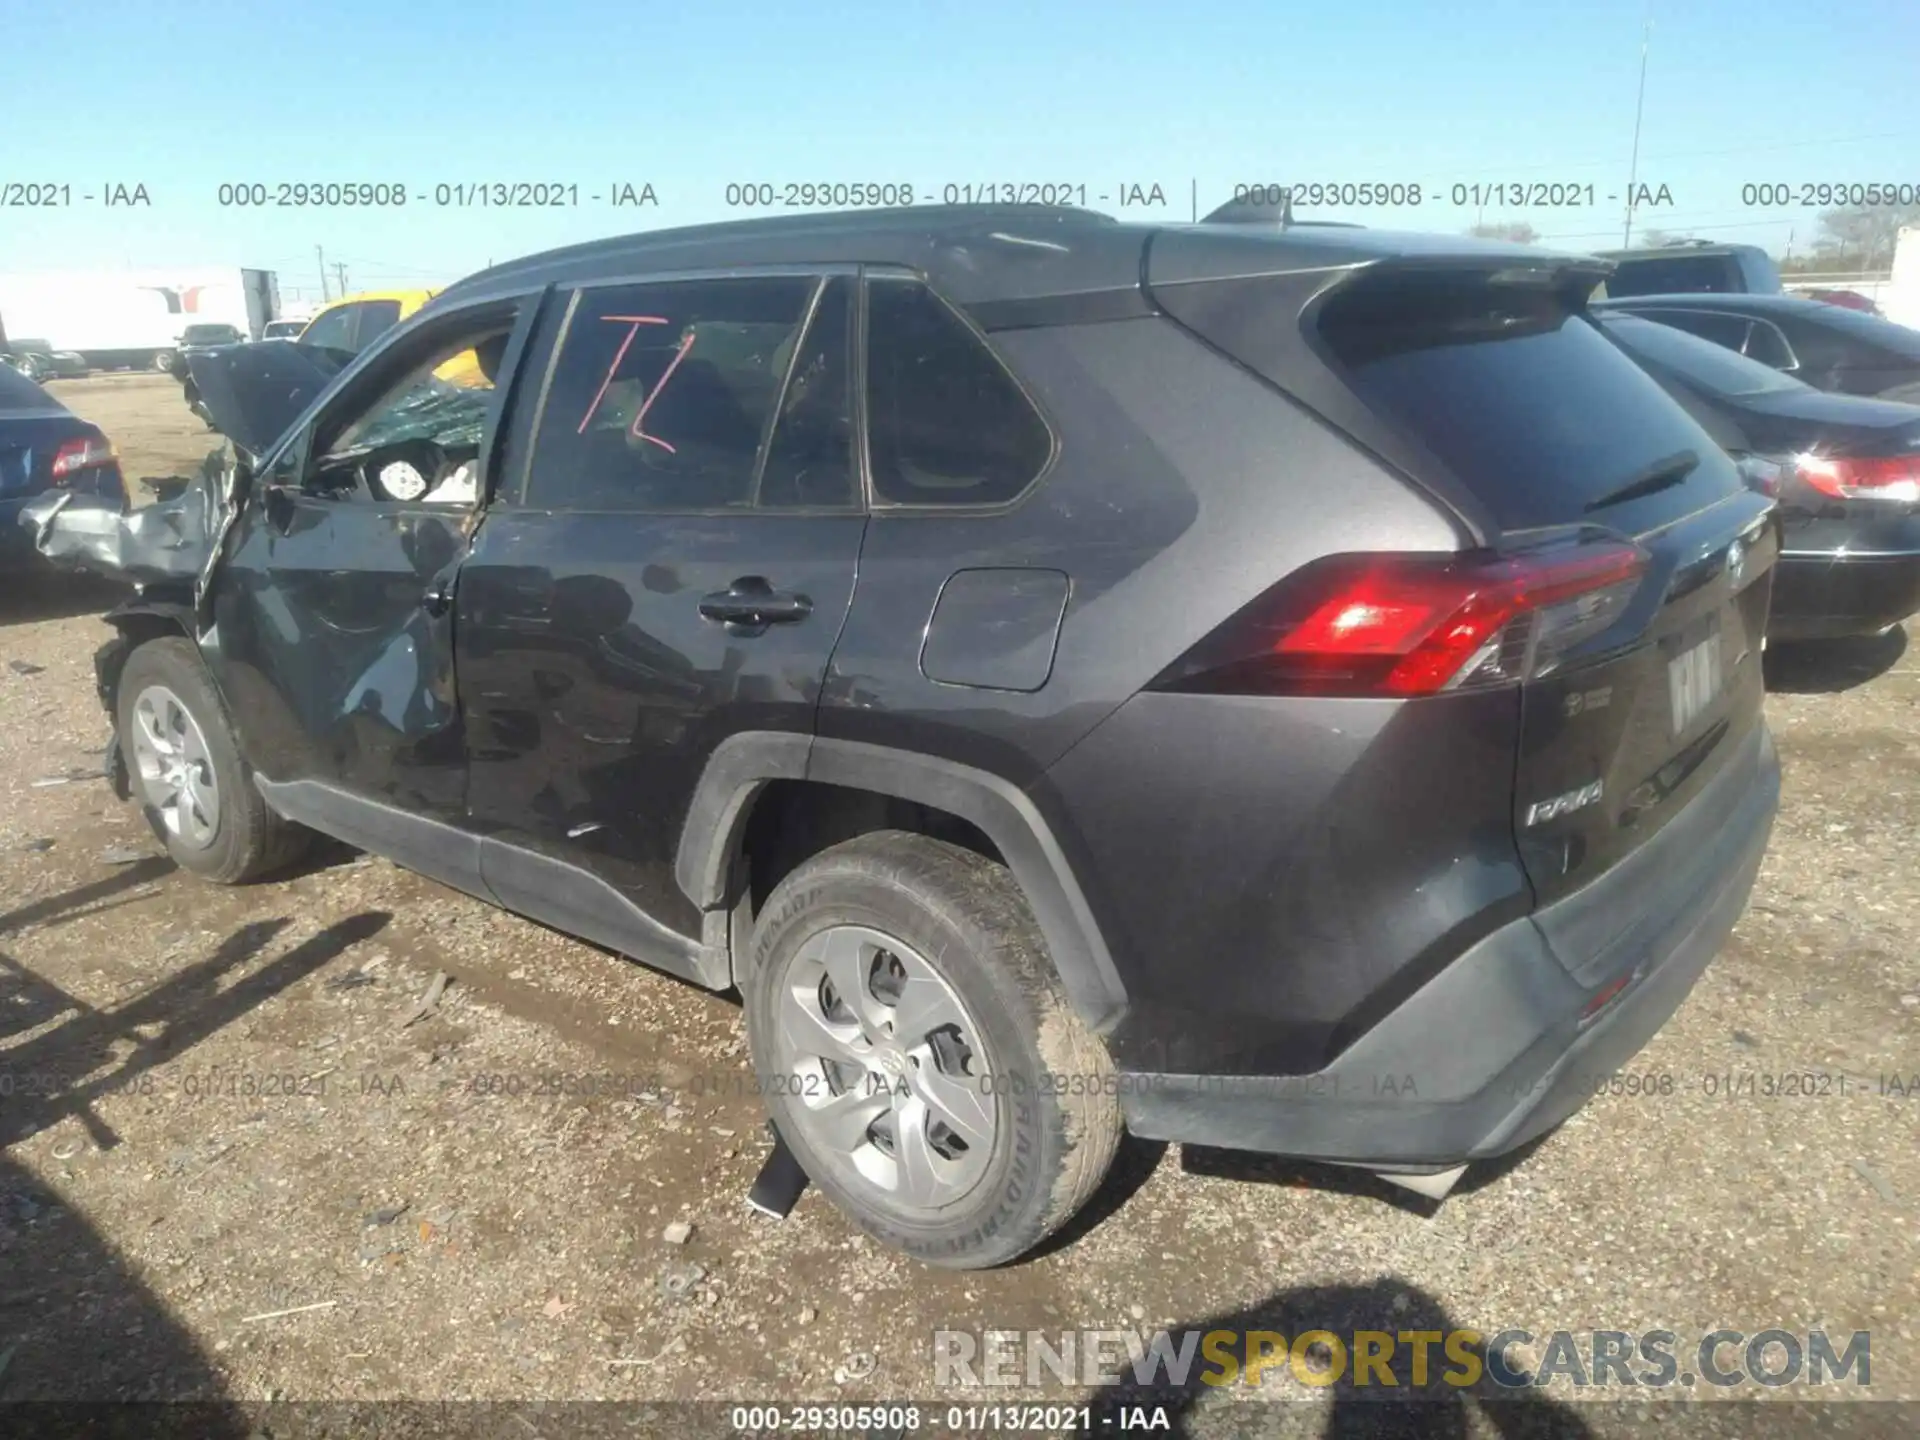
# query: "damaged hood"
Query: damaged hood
{"points": [[169, 540], [253, 393]]}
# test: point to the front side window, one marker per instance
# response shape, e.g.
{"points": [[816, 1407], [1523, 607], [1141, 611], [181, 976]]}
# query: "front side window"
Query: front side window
{"points": [[946, 423], [664, 396], [420, 441]]}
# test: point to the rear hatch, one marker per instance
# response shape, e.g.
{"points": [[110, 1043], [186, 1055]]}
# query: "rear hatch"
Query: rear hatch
{"points": [[1475, 372]]}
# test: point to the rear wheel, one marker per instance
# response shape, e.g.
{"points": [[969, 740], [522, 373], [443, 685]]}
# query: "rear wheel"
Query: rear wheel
{"points": [[186, 771], [918, 1055]]}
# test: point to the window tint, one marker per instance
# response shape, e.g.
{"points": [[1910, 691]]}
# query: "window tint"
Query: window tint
{"points": [[376, 318], [332, 329], [420, 440], [1670, 275], [1518, 395], [663, 392], [810, 458], [946, 424], [1727, 330], [1713, 369]]}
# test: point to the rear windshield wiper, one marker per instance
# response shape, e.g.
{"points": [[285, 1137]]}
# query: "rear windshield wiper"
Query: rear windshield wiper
{"points": [[1660, 475]]}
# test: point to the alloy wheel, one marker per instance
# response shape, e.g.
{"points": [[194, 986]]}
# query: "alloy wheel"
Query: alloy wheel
{"points": [[175, 768]]}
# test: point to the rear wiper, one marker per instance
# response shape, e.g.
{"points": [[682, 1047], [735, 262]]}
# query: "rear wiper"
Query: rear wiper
{"points": [[1660, 475]]}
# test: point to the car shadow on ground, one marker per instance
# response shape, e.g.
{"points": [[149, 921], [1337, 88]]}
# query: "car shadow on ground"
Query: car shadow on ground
{"points": [[76, 1324], [1824, 667], [36, 595], [80, 1332], [1441, 1409]]}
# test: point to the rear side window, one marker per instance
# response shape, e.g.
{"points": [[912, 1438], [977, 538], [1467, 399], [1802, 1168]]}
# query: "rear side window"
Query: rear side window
{"points": [[1727, 330], [1672, 275], [1766, 344], [1708, 366], [663, 399], [1518, 394], [376, 318], [946, 423]]}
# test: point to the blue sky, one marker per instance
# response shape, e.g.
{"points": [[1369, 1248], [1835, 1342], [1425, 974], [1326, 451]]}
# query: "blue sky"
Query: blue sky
{"points": [[184, 95]]}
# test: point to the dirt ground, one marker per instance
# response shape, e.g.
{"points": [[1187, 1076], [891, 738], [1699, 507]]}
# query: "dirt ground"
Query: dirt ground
{"points": [[230, 1170]]}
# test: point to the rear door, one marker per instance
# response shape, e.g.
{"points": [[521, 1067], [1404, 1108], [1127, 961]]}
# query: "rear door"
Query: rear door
{"points": [[1493, 390], [671, 567]]}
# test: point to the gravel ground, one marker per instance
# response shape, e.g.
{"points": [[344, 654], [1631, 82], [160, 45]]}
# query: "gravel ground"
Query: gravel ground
{"points": [[225, 1117]]}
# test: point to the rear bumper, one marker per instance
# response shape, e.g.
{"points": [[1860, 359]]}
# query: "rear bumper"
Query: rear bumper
{"points": [[1825, 596], [1493, 1051]]}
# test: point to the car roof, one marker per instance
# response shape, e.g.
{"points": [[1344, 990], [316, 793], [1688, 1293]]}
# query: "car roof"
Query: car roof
{"points": [[415, 297], [1668, 252], [1719, 300], [973, 253]]}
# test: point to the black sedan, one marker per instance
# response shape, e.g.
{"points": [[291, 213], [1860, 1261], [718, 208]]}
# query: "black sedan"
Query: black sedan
{"points": [[46, 447], [1845, 470], [1830, 347]]}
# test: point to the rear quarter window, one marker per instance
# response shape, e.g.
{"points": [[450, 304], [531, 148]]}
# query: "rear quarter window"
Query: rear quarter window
{"points": [[946, 423]]}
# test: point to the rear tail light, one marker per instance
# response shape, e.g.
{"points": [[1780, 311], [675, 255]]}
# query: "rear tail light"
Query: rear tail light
{"points": [[78, 455], [1408, 624], [1870, 478]]}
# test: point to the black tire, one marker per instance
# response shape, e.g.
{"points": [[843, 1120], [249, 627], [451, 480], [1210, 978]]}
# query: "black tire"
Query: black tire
{"points": [[249, 840], [1053, 1089]]}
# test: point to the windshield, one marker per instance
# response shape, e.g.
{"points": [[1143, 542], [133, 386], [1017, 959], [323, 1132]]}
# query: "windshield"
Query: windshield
{"points": [[209, 334], [1711, 367]]}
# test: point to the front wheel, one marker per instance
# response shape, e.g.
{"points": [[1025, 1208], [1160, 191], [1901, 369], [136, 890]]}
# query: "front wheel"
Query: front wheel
{"points": [[187, 773], [163, 362], [918, 1055]]}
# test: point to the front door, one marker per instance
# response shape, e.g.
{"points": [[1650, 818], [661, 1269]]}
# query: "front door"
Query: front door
{"points": [[333, 608], [674, 568]]}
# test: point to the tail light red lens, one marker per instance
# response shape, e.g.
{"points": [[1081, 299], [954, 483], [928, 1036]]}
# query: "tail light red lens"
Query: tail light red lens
{"points": [[1404, 625], [78, 455], [1870, 478]]}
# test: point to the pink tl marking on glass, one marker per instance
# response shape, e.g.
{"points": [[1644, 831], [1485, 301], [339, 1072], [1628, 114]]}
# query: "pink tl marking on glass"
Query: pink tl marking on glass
{"points": [[686, 344], [633, 324]]}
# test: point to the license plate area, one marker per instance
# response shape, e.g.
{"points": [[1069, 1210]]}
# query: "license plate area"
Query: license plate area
{"points": [[1697, 675]]}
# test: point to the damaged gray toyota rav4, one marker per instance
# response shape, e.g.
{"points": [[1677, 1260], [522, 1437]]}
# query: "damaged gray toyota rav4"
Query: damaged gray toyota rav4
{"points": [[1293, 689]]}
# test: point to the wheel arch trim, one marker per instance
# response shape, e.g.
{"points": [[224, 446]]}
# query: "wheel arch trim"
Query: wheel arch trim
{"points": [[743, 764]]}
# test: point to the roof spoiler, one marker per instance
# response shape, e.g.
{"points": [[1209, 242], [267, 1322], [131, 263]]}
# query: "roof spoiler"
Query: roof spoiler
{"points": [[1254, 212]]}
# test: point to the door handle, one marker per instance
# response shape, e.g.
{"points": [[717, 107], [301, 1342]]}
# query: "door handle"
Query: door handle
{"points": [[751, 601], [438, 600]]}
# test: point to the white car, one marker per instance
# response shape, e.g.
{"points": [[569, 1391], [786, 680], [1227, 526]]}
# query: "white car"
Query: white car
{"points": [[283, 329]]}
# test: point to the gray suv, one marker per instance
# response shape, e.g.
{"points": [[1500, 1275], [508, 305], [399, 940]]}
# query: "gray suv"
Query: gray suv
{"points": [[1294, 689]]}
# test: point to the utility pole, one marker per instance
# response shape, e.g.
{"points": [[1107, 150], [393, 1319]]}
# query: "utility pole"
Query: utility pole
{"points": [[340, 271], [321, 255], [1639, 108]]}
